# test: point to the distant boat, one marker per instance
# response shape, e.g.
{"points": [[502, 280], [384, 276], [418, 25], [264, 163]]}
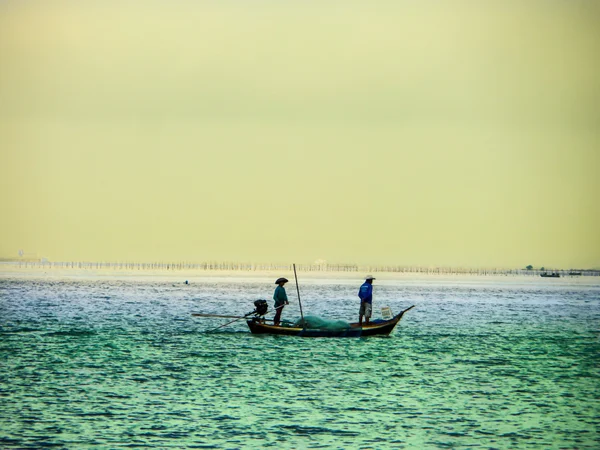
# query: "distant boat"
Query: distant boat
{"points": [[550, 275], [574, 274]]}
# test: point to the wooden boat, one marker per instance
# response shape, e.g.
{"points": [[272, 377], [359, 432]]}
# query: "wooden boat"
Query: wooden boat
{"points": [[258, 323], [375, 328]]}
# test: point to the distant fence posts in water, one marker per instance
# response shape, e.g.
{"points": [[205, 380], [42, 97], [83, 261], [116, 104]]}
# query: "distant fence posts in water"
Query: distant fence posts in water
{"points": [[258, 267]]}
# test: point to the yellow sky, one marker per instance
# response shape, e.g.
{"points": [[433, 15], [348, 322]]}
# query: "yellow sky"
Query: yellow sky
{"points": [[429, 133]]}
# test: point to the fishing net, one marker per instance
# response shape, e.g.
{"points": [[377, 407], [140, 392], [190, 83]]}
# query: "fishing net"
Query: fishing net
{"points": [[317, 323]]}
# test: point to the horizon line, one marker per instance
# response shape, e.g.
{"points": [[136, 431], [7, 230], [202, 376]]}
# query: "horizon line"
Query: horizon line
{"points": [[258, 266]]}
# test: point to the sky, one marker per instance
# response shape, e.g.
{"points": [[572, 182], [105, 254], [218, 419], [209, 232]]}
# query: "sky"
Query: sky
{"points": [[388, 132]]}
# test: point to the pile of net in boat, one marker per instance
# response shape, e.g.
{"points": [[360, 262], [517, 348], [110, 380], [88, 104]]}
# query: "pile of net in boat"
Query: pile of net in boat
{"points": [[317, 323]]}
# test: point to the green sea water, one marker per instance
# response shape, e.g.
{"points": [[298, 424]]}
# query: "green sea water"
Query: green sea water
{"points": [[477, 363]]}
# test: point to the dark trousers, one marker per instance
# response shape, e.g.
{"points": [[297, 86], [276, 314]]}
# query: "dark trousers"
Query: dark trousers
{"points": [[277, 317]]}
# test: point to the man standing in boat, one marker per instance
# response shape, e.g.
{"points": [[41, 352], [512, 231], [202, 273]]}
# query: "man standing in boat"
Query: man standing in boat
{"points": [[280, 298], [365, 294]]}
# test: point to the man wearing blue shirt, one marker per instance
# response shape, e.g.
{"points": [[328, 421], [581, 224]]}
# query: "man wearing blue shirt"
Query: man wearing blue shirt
{"points": [[365, 294]]}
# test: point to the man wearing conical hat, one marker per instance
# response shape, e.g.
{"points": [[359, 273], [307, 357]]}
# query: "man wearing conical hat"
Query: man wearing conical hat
{"points": [[280, 298], [365, 293]]}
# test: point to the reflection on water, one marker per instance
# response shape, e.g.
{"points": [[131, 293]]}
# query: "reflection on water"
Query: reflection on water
{"points": [[123, 363]]}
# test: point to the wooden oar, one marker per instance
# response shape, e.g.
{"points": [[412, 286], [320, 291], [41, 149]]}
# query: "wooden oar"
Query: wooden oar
{"points": [[221, 316], [216, 315], [224, 325], [239, 318]]}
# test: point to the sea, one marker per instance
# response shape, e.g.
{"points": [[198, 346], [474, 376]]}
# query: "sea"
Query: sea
{"points": [[113, 362]]}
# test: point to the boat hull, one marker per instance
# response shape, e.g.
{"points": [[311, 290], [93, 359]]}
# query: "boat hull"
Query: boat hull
{"points": [[354, 330]]}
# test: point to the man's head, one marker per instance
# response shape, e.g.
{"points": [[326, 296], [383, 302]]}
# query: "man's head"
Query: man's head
{"points": [[369, 279]]}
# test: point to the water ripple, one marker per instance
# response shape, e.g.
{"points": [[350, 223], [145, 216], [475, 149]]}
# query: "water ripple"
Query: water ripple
{"points": [[123, 364]]}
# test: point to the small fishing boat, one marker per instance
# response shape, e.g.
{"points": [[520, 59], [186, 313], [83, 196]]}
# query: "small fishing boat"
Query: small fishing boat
{"points": [[550, 275], [374, 328], [258, 325], [309, 326]]}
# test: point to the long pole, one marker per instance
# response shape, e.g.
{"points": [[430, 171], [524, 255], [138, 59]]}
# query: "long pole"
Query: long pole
{"points": [[299, 302], [222, 316], [225, 324], [239, 318]]}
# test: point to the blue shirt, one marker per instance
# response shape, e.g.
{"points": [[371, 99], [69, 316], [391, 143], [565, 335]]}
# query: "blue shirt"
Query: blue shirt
{"points": [[366, 292]]}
